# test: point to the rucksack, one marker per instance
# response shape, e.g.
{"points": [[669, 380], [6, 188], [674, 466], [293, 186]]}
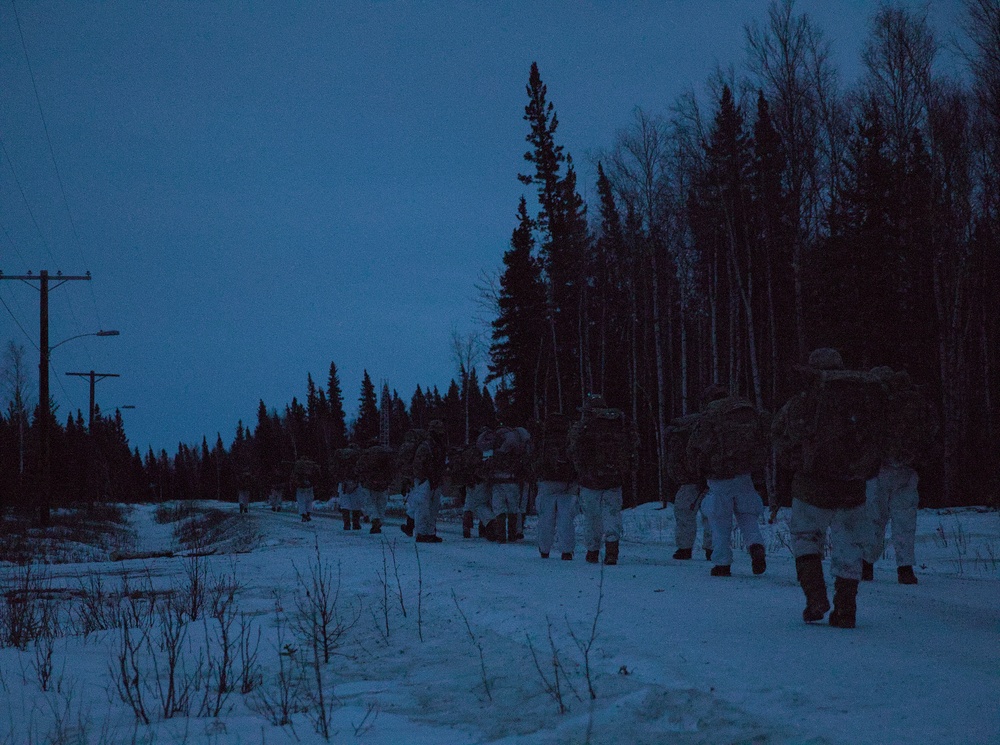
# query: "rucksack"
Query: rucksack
{"points": [[412, 441], [509, 457], [731, 438], [842, 416], [600, 444], [347, 463], [377, 467], [680, 470], [552, 460]]}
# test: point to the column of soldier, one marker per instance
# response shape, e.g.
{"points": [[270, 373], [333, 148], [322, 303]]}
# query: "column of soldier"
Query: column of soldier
{"points": [[851, 441]]}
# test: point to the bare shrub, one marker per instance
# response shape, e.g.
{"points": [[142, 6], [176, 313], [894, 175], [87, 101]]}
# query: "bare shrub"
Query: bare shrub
{"points": [[317, 620], [586, 645], [478, 645], [193, 593], [23, 617], [277, 698]]}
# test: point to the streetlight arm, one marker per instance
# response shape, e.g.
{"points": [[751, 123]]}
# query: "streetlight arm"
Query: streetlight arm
{"points": [[113, 332]]}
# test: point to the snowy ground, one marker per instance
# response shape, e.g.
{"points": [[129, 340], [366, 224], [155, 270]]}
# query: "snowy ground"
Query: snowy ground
{"points": [[676, 656]]}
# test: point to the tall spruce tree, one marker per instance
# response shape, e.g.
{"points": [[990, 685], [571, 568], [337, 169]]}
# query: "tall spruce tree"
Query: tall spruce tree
{"points": [[367, 424]]}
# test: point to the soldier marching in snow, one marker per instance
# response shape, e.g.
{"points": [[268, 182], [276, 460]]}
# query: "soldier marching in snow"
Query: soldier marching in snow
{"points": [[376, 472], [428, 468], [602, 446], [729, 442], [506, 463], [352, 496], [830, 436], [691, 488], [243, 492], [302, 475], [909, 434], [467, 473], [557, 487]]}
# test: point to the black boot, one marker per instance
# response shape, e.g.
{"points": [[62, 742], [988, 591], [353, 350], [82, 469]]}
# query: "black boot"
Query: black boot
{"points": [[809, 570], [467, 521], [356, 520], [429, 538], [682, 554], [906, 575], [868, 571], [610, 553], [722, 570], [593, 557], [408, 526], [483, 530], [758, 558], [845, 603], [511, 527], [708, 554], [567, 556], [544, 554], [520, 533], [346, 515], [376, 525]]}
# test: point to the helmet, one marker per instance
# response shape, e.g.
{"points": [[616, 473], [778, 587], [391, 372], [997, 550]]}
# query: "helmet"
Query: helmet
{"points": [[826, 358], [436, 427]]}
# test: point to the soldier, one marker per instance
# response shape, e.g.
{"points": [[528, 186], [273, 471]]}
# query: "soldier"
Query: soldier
{"points": [[243, 493], [274, 498], [428, 474], [829, 436], [689, 499], [557, 488], [729, 442], [505, 462], [302, 473], [602, 447], [910, 431], [467, 472], [376, 471], [352, 496]]}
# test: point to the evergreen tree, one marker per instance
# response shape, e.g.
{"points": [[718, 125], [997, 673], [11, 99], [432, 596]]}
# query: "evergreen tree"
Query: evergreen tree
{"points": [[335, 402], [367, 425]]}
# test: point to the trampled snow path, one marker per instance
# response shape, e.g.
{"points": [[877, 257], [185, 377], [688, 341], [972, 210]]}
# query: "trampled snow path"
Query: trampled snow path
{"points": [[679, 656]]}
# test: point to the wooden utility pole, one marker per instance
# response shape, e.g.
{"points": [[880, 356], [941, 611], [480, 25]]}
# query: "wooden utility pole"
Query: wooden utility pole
{"points": [[94, 378], [44, 403]]}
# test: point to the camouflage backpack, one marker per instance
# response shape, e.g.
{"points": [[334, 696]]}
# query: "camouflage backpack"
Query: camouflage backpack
{"points": [[552, 461], [680, 470], [412, 441], [465, 465], [731, 438], [601, 446], [842, 418], [377, 467], [509, 456], [346, 466]]}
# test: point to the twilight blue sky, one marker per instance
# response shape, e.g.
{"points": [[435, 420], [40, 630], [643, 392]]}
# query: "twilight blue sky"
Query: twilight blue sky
{"points": [[259, 188]]}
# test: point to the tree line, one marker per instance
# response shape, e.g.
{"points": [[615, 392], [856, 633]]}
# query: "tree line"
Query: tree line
{"points": [[776, 212]]}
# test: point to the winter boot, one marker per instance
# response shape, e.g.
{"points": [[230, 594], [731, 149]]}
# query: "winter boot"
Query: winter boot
{"points": [[346, 515], [376, 525], [305, 517], [520, 532], [809, 570], [708, 554], [845, 603], [905, 575], [430, 538], [610, 553], [511, 527], [682, 553], [544, 554], [467, 520], [593, 557], [483, 530], [757, 558], [868, 571], [356, 520], [722, 570], [567, 556], [408, 526]]}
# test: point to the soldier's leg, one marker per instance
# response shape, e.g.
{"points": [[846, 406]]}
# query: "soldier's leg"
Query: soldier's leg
{"points": [[590, 507], [420, 501], [546, 506], [848, 534], [808, 528], [685, 517], [876, 515], [747, 508], [720, 516], [903, 508], [566, 511]]}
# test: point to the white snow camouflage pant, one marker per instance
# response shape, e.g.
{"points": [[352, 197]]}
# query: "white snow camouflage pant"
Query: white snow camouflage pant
{"points": [[892, 496], [243, 497], [848, 533], [602, 516], [728, 499], [353, 500], [274, 499], [686, 508], [304, 500], [375, 502], [507, 498], [557, 511], [477, 501], [425, 503]]}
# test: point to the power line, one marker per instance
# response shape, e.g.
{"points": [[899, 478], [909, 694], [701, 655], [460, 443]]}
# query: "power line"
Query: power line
{"points": [[18, 322], [27, 204], [55, 164]]}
